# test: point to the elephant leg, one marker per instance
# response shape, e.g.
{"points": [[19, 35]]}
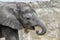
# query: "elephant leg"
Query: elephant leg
{"points": [[1, 33], [10, 34]]}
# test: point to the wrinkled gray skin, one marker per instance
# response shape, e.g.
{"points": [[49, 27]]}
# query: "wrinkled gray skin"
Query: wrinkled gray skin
{"points": [[14, 16], [27, 16]]}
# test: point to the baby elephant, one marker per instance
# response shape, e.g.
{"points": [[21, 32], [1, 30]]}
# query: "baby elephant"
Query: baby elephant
{"points": [[15, 16]]}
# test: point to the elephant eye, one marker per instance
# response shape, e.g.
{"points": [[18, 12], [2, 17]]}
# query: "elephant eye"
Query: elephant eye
{"points": [[28, 18]]}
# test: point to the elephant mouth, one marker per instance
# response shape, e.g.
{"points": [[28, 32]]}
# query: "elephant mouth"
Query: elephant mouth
{"points": [[39, 30], [27, 28]]}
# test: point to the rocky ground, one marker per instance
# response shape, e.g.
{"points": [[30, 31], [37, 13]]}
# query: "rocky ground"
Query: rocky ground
{"points": [[49, 14]]}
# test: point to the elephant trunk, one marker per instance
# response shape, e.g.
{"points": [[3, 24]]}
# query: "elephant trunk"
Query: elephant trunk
{"points": [[40, 24]]}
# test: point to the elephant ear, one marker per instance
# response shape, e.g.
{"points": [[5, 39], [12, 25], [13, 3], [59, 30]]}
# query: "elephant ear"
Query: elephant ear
{"points": [[7, 18]]}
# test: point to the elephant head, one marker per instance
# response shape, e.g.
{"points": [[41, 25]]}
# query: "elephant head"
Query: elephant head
{"points": [[27, 16]]}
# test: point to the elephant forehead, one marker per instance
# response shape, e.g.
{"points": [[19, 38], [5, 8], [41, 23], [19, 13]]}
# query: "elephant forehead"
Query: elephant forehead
{"points": [[28, 15], [25, 8]]}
